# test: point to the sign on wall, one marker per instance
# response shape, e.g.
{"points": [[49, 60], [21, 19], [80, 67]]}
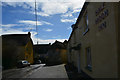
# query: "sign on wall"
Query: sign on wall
{"points": [[101, 14]]}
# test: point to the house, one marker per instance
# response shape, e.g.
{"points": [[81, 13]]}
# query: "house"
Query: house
{"points": [[57, 53], [40, 51], [16, 47], [0, 53], [94, 44]]}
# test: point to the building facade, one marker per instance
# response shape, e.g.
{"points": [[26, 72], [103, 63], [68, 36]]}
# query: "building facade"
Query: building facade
{"points": [[40, 51], [94, 44], [16, 47], [57, 53]]}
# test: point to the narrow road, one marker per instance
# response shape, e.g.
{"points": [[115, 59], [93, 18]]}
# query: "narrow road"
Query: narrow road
{"points": [[57, 71], [20, 72], [37, 71]]}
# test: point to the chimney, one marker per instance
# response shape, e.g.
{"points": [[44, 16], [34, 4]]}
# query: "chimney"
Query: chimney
{"points": [[73, 26], [49, 43], [29, 34]]}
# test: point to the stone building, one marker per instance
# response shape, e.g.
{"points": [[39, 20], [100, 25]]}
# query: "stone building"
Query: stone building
{"points": [[16, 47], [94, 44], [57, 53], [40, 51]]}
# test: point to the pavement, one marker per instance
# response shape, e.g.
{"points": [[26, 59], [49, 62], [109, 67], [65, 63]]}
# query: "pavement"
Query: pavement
{"points": [[73, 74]]}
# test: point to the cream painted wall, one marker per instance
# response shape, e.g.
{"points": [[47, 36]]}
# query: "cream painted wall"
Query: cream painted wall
{"points": [[103, 44]]}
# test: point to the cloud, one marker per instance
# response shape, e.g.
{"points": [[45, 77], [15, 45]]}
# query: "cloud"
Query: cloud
{"points": [[44, 22], [68, 20], [40, 0], [33, 35], [42, 41], [48, 30], [12, 31], [0, 31], [20, 27], [51, 8], [67, 15], [66, 9], [8, 25], [76, 10], [44, 8], [30, 22], [47, 41], [42, 14], [54, 8], [69, 28], [17, 4], [48, 7]]}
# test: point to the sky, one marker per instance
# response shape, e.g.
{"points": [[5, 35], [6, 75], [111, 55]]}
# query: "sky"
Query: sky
{"points": [[55, 18]]}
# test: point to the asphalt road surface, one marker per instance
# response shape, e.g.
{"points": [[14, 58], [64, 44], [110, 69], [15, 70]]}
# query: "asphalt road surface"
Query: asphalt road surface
{"points": [[37, 71], [57, 71], [20, 72]]}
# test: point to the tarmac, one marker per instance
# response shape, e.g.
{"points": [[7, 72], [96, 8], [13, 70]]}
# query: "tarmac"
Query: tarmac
{"points": [[55, 71], [19, 72]]}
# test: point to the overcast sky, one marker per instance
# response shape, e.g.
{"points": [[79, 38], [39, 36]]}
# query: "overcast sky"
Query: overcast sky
{"points": [[55, 18]]}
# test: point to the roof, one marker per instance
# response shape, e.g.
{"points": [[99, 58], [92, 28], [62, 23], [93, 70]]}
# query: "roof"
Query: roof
{"points": [[18, 39], [39, 45], [78, 19], [58, 44], [41, 48]]}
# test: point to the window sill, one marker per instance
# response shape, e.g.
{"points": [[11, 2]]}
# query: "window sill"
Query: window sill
{"points": [[86, 31]]}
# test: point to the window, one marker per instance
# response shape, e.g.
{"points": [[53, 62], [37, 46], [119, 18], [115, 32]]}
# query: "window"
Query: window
{"points": [[86, 23], [88, 59], [86, 20]]}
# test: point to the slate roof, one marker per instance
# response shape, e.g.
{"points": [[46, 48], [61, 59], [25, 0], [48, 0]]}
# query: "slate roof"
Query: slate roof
{"points": [[41, 48], [78, 19], [18, 39], [58, 44]]}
